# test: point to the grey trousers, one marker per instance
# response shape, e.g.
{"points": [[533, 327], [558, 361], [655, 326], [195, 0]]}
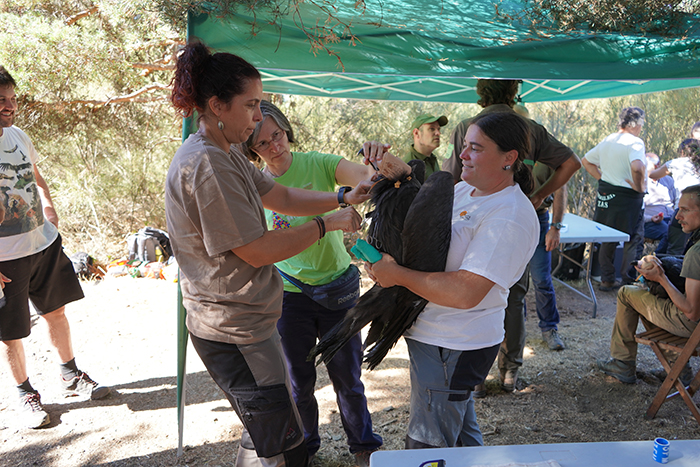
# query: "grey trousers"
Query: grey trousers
{"points": [[442, 408]]}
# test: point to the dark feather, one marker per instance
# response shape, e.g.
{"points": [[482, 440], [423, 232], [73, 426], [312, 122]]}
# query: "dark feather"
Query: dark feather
{"points": [[413, 224], [672, 266], [391, 205], [426, 241]]}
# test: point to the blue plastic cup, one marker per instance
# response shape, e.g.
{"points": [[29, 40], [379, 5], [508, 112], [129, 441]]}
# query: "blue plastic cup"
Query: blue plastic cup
{"points": [[661, 449]]}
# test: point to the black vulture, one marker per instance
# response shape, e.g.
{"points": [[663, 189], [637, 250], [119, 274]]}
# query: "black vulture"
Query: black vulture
{"points": [[411, 221], [672, 266]]}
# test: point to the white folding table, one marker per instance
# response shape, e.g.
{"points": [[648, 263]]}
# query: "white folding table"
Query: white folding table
{"points": [[580, 230], [684, 453]]}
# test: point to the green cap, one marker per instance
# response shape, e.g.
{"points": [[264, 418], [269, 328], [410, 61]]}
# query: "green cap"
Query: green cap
{"points": [[421, 119]]}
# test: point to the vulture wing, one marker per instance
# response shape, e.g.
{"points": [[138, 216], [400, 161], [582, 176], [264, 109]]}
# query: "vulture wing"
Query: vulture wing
{"points": [[426, 240], [392, 200]]}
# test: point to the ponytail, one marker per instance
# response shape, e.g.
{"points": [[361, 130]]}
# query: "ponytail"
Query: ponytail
{"points": [[523, 177], [201, 75]]}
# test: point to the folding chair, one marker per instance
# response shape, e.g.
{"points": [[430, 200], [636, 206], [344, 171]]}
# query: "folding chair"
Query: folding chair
{"points": [[660, 340]]}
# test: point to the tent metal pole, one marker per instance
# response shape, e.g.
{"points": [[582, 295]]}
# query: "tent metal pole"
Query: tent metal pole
{"points": [[182, 333]]}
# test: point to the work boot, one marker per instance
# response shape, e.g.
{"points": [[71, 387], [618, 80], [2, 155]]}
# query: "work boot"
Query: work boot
{"points": [[479, 391], [552, 339], [509, 378], [625, 371], [606, 286], [686, 375], [32, 413], [83, 385]]}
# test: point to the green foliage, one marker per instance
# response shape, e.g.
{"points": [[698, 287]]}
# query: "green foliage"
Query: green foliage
{"points": [[661, 17], [104, 161], [321, 34], [176, 11], [105, 155]]}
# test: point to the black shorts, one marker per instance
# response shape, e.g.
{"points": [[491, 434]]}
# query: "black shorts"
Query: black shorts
{"points": [[47, 278]]}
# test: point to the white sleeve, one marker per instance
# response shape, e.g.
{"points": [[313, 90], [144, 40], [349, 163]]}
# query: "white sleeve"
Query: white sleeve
{"points": [[593, 156], [637, 152]]}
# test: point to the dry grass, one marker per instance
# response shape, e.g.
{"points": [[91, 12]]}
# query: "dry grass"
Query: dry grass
{"points": [[124, 334]]}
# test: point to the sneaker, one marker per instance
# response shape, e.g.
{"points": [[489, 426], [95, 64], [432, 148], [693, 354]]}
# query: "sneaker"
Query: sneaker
{"points": [[509, 378], [686, 375], [83, 385], [362, 458], [479, 391], [606, 286], [32, 413], [623, 371], [552, 339]]}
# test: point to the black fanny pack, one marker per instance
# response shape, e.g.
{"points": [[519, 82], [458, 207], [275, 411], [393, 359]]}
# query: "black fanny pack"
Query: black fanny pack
{"points": [[342, 293]]}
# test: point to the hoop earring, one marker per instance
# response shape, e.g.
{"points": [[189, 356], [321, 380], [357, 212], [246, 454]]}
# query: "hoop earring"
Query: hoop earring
{"points": [[220, 125], [507, 167]]}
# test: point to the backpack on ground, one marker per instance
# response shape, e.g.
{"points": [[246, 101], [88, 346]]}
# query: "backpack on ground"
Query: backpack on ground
{"points": [[85, 267], [149, 244]]}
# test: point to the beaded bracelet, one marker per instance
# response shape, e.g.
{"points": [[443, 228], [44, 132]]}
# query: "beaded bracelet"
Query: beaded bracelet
{"points": [[321, 227]]}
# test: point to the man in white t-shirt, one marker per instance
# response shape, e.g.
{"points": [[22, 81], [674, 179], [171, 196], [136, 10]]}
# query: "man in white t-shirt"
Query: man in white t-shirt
{"points": [[32, 257], [659, 204], [619, 164]]}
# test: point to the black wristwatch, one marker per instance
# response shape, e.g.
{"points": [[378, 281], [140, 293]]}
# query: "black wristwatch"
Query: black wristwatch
{"points": [[341, 196], [557, 225]]}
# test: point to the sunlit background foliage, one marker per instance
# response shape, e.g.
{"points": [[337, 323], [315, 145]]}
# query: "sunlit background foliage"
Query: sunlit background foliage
{"points": [[92, 84]]}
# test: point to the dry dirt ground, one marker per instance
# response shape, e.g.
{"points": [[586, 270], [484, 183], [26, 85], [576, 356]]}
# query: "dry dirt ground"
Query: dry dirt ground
{"points": [[124, 336]]}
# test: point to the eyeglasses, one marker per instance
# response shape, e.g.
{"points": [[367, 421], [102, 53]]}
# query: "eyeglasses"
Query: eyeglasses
{"points": [[265, 145]]}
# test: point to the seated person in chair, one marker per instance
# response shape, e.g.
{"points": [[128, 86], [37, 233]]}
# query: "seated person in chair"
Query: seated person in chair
{"points": [[679, 314]]}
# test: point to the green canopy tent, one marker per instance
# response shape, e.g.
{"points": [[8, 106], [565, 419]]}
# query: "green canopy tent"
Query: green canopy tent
{"points": [[410, 50], [418, 51]]}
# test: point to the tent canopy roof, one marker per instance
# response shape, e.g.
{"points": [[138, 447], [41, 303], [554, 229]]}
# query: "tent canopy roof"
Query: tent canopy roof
{"points": [[411, 50]]}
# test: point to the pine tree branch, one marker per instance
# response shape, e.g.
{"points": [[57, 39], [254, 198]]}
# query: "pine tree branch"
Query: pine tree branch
{"points": [[133, 95], [153, 66], [72, 19]]}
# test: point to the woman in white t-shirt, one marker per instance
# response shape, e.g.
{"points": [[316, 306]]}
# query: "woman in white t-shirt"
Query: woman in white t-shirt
{"points": [[682, 168], [455, 340]]}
